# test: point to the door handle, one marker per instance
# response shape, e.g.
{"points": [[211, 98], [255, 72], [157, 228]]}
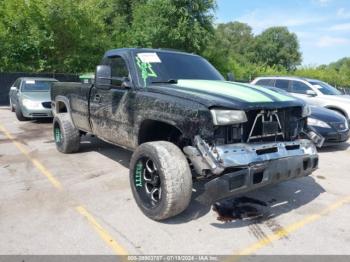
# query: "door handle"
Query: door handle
{"points": [[97, 98]]}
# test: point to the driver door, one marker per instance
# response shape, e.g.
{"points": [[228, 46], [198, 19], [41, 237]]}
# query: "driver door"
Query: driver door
{"points": [[109, 107]]}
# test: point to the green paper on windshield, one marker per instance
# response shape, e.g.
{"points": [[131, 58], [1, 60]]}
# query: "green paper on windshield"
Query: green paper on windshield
{"points": [[146, 70]]}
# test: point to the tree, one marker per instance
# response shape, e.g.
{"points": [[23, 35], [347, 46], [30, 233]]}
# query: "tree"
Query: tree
{"points": [[21, 38], [237, 38], [341, 63], [117, 17], [276, 46], [77, 37], [231, 47], [178, 24], [55, 36], [71, 36]]}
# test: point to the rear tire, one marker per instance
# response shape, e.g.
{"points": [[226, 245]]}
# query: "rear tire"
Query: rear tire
{"points": [[19, 114], [66, 135], [160, 180]]}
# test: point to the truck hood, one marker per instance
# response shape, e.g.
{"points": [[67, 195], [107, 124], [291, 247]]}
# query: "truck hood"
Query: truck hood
{"points": [[36, 96], [226, 94]]}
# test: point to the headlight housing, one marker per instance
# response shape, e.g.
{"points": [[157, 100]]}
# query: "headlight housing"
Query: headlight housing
{"points": [[306, 111], [316, 122], [31, 104], [223, 117]]}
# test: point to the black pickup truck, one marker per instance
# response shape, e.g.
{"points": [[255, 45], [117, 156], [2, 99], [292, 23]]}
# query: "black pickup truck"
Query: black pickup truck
{"points": [[184, 121]]}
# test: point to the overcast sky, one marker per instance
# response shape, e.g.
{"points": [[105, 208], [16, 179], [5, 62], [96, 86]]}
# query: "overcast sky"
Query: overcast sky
{"points": [[322, 26]]}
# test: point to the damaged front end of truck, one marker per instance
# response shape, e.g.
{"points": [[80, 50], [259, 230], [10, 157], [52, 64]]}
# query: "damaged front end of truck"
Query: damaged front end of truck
{"points": [[255, 148]]}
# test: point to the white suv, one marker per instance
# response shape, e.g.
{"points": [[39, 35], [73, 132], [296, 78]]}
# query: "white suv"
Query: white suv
{"points": [[314, 92]]}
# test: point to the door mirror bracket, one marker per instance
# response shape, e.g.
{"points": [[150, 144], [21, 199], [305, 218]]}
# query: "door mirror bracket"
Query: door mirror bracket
{"points": [[311, 93]]}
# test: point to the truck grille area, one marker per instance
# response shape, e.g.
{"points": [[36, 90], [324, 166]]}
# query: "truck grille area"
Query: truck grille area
{"points": [[228, 134], [263, 126]]}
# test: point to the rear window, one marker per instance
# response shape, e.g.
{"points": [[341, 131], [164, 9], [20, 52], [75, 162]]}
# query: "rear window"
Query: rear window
{"points": [[265, 82], [282, 84], [36, 86]]}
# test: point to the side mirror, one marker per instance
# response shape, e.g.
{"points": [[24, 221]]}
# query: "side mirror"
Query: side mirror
{"points": [[103, 77], [311, 93], [13, 88], [230, 77]]}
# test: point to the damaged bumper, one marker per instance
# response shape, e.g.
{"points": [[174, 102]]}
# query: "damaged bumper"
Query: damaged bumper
{"points": [[244, 167]]}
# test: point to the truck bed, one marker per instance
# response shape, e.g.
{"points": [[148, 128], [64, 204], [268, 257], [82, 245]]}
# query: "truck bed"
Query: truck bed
{"points": [[77, 96]]}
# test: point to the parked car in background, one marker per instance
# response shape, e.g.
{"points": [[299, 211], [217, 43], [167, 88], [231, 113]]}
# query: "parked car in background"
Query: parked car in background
{"points": [[344, 90], [331, 125], [313, 91], [327, 123], [30, 97]]}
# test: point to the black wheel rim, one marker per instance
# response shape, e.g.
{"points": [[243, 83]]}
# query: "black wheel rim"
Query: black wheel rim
{"points": [[147, 182], [57, 134]]}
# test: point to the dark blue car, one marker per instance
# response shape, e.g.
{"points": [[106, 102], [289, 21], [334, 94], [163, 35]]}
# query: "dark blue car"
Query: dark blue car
{"points": [[333, 126]]}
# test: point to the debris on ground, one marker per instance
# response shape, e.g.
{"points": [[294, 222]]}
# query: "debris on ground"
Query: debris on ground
{"points": [[238, 209]]}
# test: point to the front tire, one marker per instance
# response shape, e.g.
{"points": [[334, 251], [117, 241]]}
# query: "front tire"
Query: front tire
{"points": [[66, 135], [160, 180], [19, 113]]}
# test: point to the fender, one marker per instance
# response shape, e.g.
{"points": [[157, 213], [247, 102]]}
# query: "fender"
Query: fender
{"points": [[65, 101], [165, 121], [142, 128], [336, 108]]}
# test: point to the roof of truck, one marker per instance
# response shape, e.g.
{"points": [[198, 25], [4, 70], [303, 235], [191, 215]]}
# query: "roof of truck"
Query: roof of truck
{"points": [[137, 49], [38, 78]]}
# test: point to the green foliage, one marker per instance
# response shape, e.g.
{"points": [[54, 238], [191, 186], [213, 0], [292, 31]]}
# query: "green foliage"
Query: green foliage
{"points": [[327, 74], [230, 47], [276, 46], [71, 36], [117, 17], [49, 35], [179, 24], [19, 41], [234, 48], [74, 44]]}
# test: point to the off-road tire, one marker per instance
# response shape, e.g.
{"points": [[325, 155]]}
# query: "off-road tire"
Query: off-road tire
{"points": [[66, 135], [175, 179], [19, 114]]}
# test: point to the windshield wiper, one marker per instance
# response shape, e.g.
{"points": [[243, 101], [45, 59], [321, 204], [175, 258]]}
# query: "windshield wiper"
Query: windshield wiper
{"points": [[170, 81]]}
